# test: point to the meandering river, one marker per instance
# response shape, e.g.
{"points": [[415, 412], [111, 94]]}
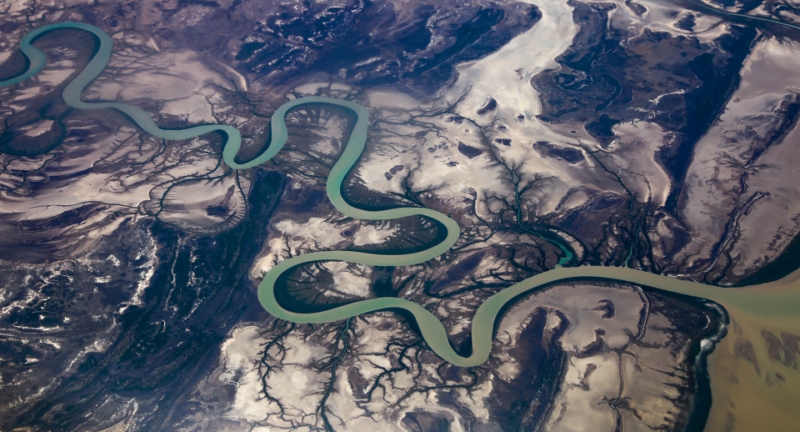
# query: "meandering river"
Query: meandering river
{"points": [[771, 301]]}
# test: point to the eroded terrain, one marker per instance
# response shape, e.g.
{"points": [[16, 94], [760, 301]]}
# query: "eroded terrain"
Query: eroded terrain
{"points": [[647, 134]]}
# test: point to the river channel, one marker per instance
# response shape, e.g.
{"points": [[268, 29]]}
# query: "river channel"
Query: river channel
{"points": [[771, 301]]}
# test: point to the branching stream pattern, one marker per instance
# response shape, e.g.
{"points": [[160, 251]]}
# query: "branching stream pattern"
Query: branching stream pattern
{"points": [[772, 299]]}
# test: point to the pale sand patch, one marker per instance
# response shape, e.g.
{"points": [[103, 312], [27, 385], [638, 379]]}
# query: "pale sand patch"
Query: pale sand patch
{"points": [[266, 262], [577, 408], [372, 234], [238, 353], [636, 146], [319, 230], [775, 220], [162, 76], [296, 379], [712, 182], [392, 100], [194, 109], [39, 128], [348, 282], [455, 179], [661, 17]]}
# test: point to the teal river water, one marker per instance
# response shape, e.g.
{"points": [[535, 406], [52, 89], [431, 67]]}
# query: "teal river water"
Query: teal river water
{"points": [[768, 299]]}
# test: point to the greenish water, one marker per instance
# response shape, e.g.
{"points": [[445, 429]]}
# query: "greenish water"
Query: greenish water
{"points": [[776, 300]]}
